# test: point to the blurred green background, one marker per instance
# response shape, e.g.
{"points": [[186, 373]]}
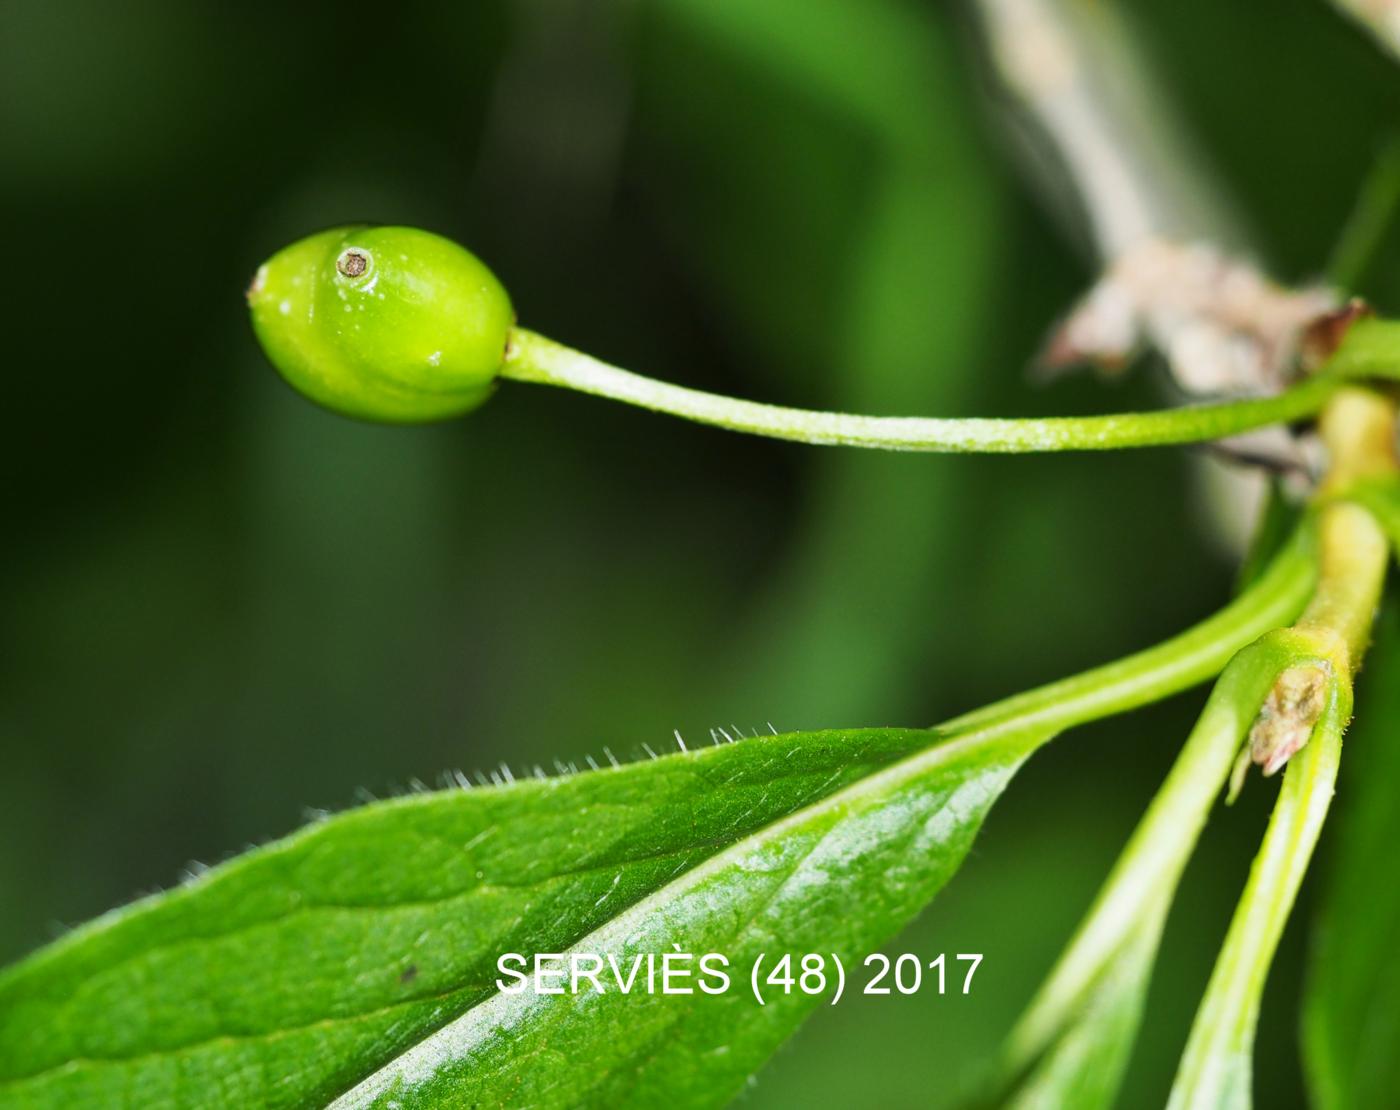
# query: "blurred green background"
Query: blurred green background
{"points": [[220, 605]]}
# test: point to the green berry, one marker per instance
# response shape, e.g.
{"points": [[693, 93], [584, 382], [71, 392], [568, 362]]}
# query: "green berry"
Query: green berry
{"points": [[382, 323]]}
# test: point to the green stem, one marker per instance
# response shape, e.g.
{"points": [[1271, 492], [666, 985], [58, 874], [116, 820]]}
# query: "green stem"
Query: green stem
{"points": [[1152, 862], [1358, 429], [1159, 848], [533, 358], [1026, 720], [1381, 498], [1216, 1067], [1331, 633], [1276, 597]]}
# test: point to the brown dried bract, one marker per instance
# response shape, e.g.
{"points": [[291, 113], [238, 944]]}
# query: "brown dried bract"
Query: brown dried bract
{"points": [[1288, 715], [1324, 335], [1222, 326]]}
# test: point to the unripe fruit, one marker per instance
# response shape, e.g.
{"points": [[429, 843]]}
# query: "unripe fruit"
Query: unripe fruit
{"points": [[382, 323]]}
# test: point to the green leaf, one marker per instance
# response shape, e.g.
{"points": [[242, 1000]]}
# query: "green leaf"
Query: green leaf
{"points": [[1216, 1069], [1074, 1044], [1084, 1066], [1071, 1046], [836, 878], [1351, 1005], [290, 974]]}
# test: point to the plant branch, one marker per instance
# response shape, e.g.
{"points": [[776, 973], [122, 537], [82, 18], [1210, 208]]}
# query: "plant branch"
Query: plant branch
{"points": [[1155, 218], [1078, 77], [1380, 17], [533, 358]]}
